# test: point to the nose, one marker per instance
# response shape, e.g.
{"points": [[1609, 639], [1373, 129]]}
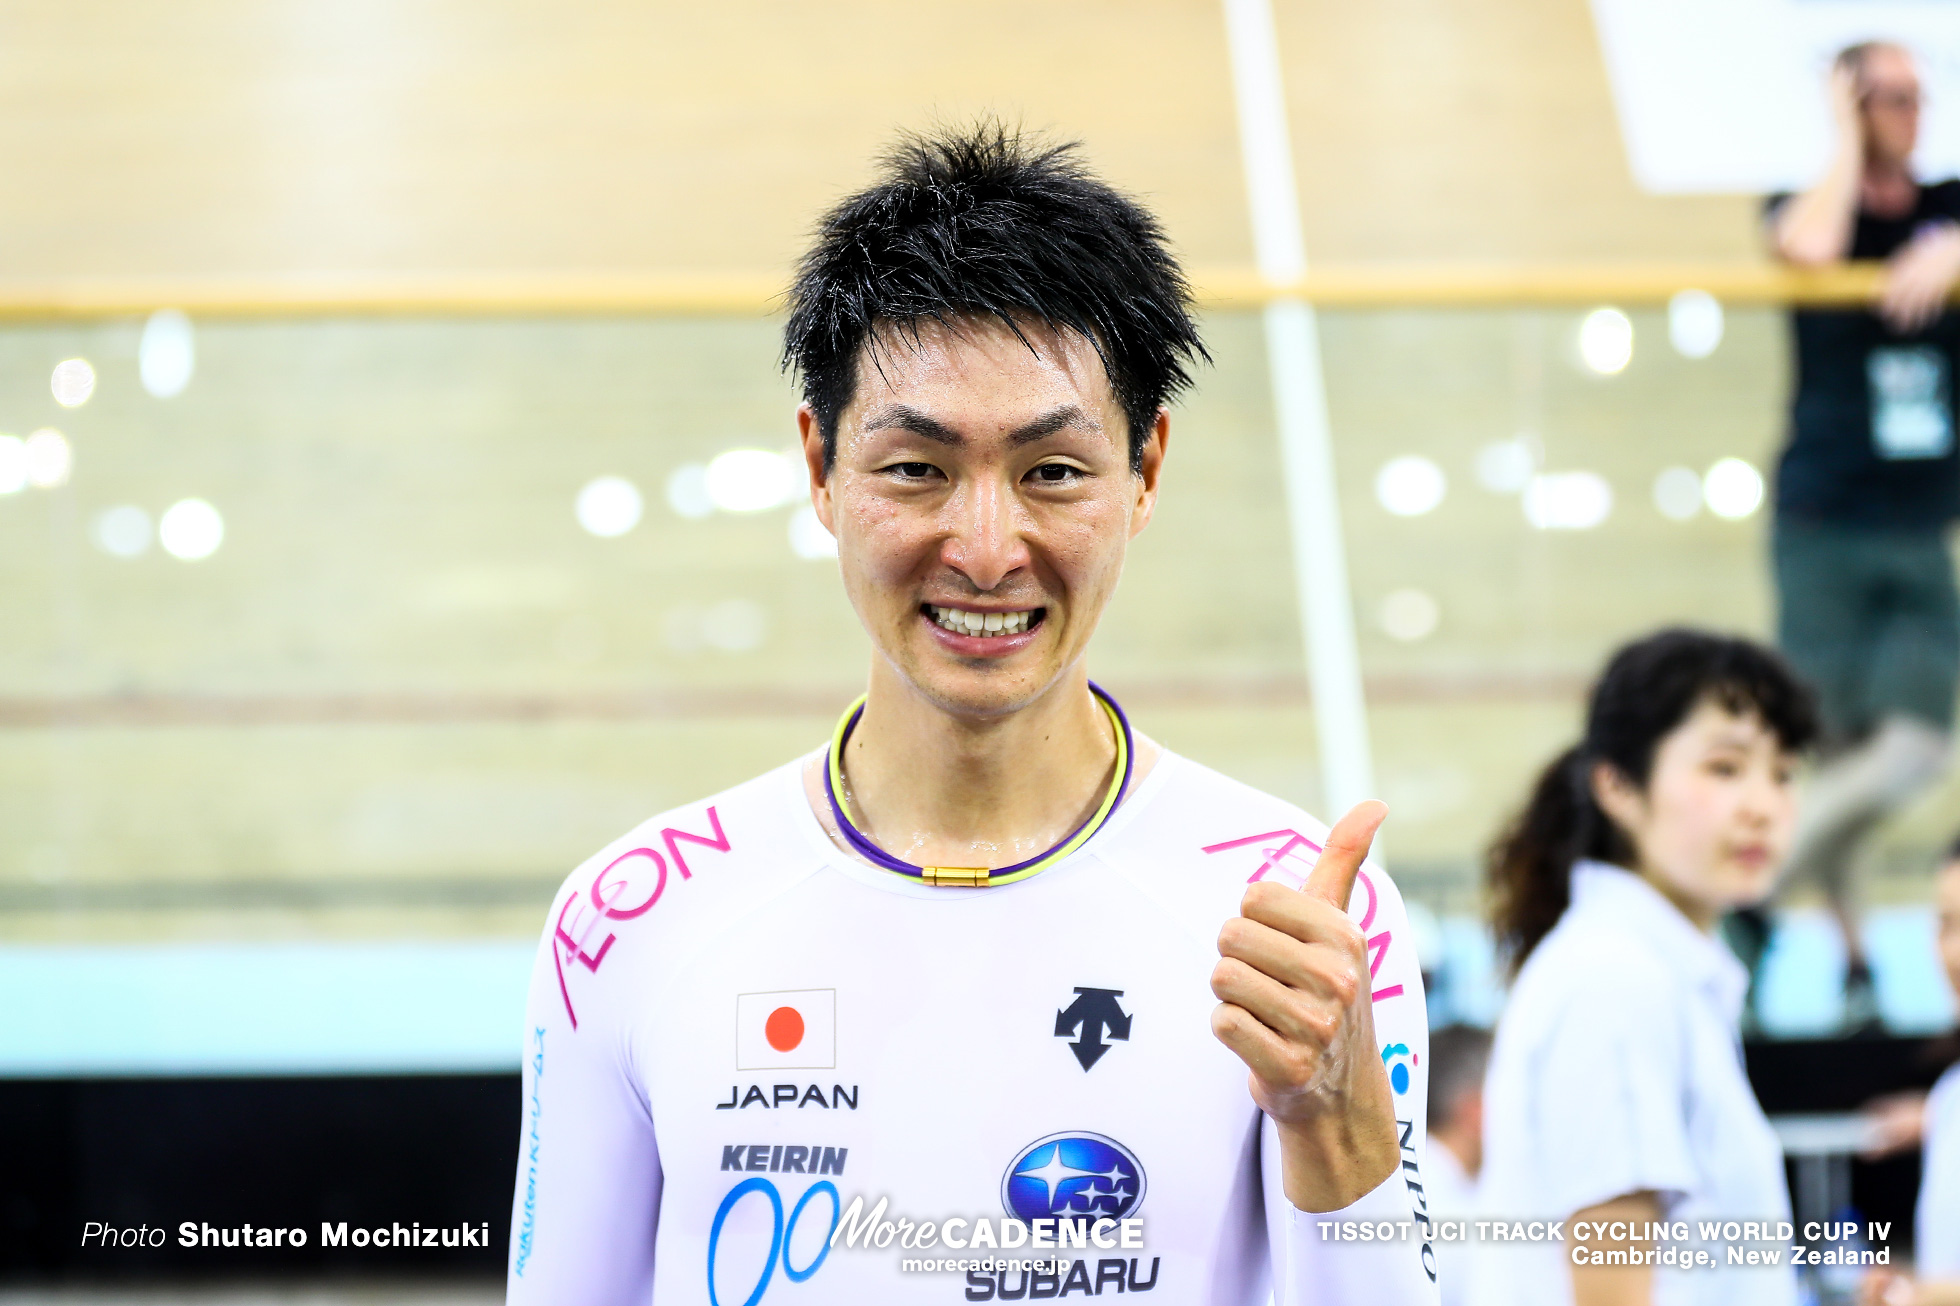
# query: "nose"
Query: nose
{"points": [[985, 542]]}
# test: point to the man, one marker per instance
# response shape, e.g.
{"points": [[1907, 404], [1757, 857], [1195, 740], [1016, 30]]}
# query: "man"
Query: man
{"points": [[1870, 482], [1458, 1055], [938, 993]]}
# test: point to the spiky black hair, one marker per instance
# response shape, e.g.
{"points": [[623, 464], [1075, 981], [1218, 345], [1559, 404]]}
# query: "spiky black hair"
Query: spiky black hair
{"points": [[980, 221]]}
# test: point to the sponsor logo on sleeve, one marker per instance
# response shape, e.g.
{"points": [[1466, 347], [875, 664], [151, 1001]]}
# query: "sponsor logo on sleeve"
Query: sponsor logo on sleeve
{"points": [[1398, 1059], [626, 888], [1283, 855]]}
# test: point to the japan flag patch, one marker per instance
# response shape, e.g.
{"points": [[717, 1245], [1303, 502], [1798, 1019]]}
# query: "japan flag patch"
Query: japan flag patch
{"points": [[795, 1029]]}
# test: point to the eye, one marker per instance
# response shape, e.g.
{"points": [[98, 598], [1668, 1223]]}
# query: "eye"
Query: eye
{"points": [[912, 471], [1055, 474]]}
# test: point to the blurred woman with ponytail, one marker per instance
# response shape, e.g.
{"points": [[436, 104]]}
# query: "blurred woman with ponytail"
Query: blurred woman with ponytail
{"points": [[1616, 1095]]}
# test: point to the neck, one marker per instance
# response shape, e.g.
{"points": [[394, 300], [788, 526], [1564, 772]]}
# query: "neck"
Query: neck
{"points": [[937, 789], [1887, 182], [1702, 914]]}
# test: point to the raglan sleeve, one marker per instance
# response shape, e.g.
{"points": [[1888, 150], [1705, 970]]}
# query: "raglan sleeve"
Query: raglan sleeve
{"points": [[588, 1166], [1314, 1263]]}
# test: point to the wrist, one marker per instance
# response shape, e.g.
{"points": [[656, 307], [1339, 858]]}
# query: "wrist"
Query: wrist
{"points": [[1332, 1161]]}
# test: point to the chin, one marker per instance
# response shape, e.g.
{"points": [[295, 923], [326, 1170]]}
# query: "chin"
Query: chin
{"points": [[989, 689], [1751, 887]]}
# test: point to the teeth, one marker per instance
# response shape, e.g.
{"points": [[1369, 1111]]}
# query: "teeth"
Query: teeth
{"points": [[962, 622]]}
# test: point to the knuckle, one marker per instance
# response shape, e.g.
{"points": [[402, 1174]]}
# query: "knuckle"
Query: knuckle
{"points": [[1234, 934], [1323, 1025]]}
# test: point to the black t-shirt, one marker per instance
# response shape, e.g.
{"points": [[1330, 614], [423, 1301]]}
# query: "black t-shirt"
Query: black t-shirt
{"points": [[1873, 421]]}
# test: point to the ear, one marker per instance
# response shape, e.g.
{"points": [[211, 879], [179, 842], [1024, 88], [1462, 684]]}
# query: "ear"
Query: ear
{"points": [[1150, 469], [809, 431], [1622, 801]]}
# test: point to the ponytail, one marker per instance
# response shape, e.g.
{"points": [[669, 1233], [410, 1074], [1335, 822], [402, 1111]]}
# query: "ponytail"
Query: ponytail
{"points": [[1648, 688], [1530, 866]]}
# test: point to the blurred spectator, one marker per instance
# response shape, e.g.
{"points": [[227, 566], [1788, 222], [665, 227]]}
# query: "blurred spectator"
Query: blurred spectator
{"points": [[1458, 1055], [1933, 1121], [1870, 482], [1615, 1092]]}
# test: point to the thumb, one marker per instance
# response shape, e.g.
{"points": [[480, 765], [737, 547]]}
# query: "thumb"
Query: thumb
{"points": [[1332, 878]]}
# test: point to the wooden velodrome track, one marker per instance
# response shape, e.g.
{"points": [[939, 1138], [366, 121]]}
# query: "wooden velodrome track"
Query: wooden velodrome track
{"points": [[450, 260]]}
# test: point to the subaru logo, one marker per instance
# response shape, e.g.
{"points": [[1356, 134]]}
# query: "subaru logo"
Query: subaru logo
{"points": [[1071, 1176]]}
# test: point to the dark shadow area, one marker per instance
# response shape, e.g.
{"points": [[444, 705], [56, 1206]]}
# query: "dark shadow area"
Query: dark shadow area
{"points": [[281, 1154]]}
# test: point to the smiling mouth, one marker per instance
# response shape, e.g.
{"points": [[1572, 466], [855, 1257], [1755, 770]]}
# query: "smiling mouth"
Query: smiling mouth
{"points": [[983, 625]]}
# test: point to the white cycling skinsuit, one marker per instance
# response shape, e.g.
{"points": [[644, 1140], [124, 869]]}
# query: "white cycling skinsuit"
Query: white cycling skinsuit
{"points": [[737, 1034]]}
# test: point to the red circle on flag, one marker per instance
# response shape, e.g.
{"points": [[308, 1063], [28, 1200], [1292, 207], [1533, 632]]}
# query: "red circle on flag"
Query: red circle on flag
{"points": [[784, 1028]]}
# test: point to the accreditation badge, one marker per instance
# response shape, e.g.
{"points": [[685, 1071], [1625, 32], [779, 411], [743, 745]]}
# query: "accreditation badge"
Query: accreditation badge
{"points": [[1911, 402]]}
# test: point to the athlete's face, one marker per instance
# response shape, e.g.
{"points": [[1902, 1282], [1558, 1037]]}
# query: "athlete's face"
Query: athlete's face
{"points": [[1714, 820], [982, 500]]}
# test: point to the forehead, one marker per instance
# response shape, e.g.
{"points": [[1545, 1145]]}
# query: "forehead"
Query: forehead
{"points": [[1890, 66], [1714, 722], [981, 363]]}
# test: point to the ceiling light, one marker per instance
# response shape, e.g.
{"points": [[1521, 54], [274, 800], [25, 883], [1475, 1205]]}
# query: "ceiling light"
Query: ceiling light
{"points": [[122, 532], [1567, 501], [190, 529], [1677, 493], [753, 480], [168, 353], [1606, 341], [1409, 615], [1733, 489], [1410, 486], [609, 506], [49, 459], [1694, 323], [73, 382]]}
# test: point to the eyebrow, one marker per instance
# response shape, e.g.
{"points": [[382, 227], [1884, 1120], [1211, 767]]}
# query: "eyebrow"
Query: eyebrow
{"points": [[904, 417]]}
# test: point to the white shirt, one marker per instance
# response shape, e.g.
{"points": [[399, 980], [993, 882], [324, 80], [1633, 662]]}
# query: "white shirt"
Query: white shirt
{"points": [[1452, 1196], [735, 1030], [1617, 1069], [1937, 1230]]}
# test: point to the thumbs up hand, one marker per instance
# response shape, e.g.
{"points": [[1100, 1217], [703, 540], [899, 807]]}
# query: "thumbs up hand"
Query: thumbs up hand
{"points": [[1293, 991]]}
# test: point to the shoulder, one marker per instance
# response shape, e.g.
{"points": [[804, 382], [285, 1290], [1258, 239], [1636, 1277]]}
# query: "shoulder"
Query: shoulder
{"points": [[1200, 827], [671, 874], [1200, 837], [1586, 968]]}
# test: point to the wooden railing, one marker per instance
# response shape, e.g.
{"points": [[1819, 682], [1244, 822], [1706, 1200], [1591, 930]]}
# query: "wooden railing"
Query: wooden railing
{"points": [[566, 294]]}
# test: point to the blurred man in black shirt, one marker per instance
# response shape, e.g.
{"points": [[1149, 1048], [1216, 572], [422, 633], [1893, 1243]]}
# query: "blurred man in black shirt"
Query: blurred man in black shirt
{"points": [[1870, 480]]}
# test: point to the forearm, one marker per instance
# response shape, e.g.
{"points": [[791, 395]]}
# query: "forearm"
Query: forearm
{"points": [[1318, 1260], [1814, 227]]}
